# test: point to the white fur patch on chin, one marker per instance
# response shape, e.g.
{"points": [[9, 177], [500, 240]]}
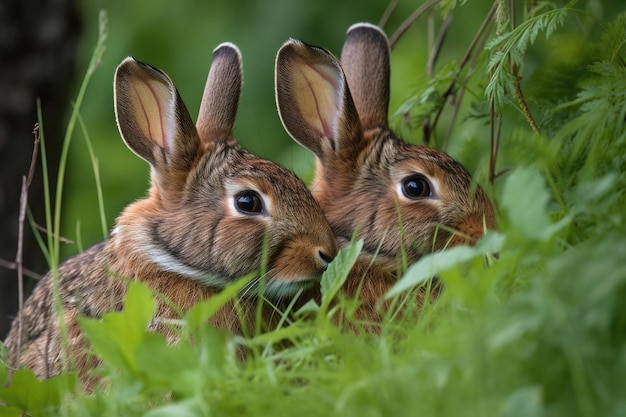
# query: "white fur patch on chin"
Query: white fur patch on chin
{"points": [[169, 263], [277, 289]]}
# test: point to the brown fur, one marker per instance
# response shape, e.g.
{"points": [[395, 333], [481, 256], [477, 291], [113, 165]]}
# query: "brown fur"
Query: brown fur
{"points": [[92, 284], [361, 164], [189, 238]]}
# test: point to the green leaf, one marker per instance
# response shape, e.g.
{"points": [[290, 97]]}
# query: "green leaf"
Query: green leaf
{"points": [[202, 311], [525, 401], [430, 265], [184, 368], [524, 201], [187, 408], [176, 366], [36, 397], [337, 272], [10, 411], [116, 337], [4, 360]]}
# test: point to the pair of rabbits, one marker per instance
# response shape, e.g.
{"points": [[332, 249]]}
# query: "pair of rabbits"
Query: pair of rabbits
{"points": [[212, 205]]}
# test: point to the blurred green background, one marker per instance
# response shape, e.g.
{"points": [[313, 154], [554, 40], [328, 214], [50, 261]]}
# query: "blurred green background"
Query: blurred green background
{"points": [[179, 37]]}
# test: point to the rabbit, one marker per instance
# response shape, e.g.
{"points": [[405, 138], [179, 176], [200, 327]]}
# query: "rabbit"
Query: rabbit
{"points": [[210, 207], [401, 199]]}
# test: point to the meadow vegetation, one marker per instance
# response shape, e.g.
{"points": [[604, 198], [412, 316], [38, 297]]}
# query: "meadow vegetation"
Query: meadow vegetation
{"points": [[531, 321]]}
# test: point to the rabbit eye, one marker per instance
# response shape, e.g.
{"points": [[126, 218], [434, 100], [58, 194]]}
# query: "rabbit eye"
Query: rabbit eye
{"points": [[416, 187], [249, 202]]}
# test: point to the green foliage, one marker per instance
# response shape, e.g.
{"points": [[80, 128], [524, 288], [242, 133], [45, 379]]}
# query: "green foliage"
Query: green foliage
{"points": [[510, 48], [337, 272], [129, 325], [37, 398], [530, 322]]}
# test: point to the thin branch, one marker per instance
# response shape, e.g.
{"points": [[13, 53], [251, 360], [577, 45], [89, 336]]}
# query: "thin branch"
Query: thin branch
{"points": [[409, 22], [427, 131], [26, 182], [519, 95], [436, 50], [459, 99], [387, 14], [466, 58], [502, 172], [495, 132], [13, 266], [522, 101], [430, 68], [486, 22], [430, 42], [62, 239]]}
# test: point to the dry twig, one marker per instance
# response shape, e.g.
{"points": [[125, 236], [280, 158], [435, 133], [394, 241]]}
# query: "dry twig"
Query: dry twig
{"points": [[385, 18], [409, 22], [26, 181], [13, 266], [464, 61]]}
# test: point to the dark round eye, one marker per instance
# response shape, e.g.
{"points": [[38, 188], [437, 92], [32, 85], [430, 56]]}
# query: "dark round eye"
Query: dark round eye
{"points": [[249, 202], [416, 187]]}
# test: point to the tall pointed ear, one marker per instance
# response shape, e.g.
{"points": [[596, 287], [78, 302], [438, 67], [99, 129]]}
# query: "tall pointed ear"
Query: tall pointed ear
{"points": [[365, 61], [220, 99], [152, 118], [314, 102]]}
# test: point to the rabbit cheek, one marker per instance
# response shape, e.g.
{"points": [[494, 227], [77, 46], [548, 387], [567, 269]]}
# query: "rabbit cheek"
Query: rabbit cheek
{"points": [[212, 249], [294, 267], [242, 240]]}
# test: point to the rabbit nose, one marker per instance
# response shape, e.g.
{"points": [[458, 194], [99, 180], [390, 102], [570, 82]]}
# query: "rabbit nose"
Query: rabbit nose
{"points": [[325, 258]]}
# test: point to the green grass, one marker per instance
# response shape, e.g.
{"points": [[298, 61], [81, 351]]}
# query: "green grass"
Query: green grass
{"points": [[531, 321]]}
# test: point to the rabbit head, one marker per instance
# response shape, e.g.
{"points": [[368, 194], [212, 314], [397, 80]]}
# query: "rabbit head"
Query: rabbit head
{"points": [[214, 208], [400, 198]]}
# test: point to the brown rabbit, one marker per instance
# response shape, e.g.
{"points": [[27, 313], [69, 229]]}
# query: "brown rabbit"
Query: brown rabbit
{"points": [[399, 198], [210, 207]]}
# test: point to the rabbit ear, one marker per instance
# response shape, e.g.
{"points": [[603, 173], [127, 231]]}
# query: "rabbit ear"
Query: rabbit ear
{"points": [[153, 120], [314, 102], [221, 94], [365, 61]]}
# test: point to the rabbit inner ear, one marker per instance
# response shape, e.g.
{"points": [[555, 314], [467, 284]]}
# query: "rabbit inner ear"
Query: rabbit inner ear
{"points": [[319, 99], [151, 117], [313, 100], [150, 101]]}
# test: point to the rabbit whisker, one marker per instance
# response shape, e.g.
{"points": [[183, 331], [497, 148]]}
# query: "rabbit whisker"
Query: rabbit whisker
{"points": [[250, 286]]}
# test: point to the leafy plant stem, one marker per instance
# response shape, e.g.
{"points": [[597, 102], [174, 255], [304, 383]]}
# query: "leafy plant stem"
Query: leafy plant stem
{"points": [[495, 130]]}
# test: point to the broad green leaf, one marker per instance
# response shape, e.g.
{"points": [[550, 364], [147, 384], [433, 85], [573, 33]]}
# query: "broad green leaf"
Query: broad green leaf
{"points": [[187, 408], [185, 367], [204, 310], [430, 265], [176, 365], [526, 401], [36, 397], [524, 200], [10, 411], [337, 272], [116, 337]]}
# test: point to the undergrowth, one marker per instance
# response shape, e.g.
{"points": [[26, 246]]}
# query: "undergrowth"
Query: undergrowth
{"points": [[531, 321]]}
